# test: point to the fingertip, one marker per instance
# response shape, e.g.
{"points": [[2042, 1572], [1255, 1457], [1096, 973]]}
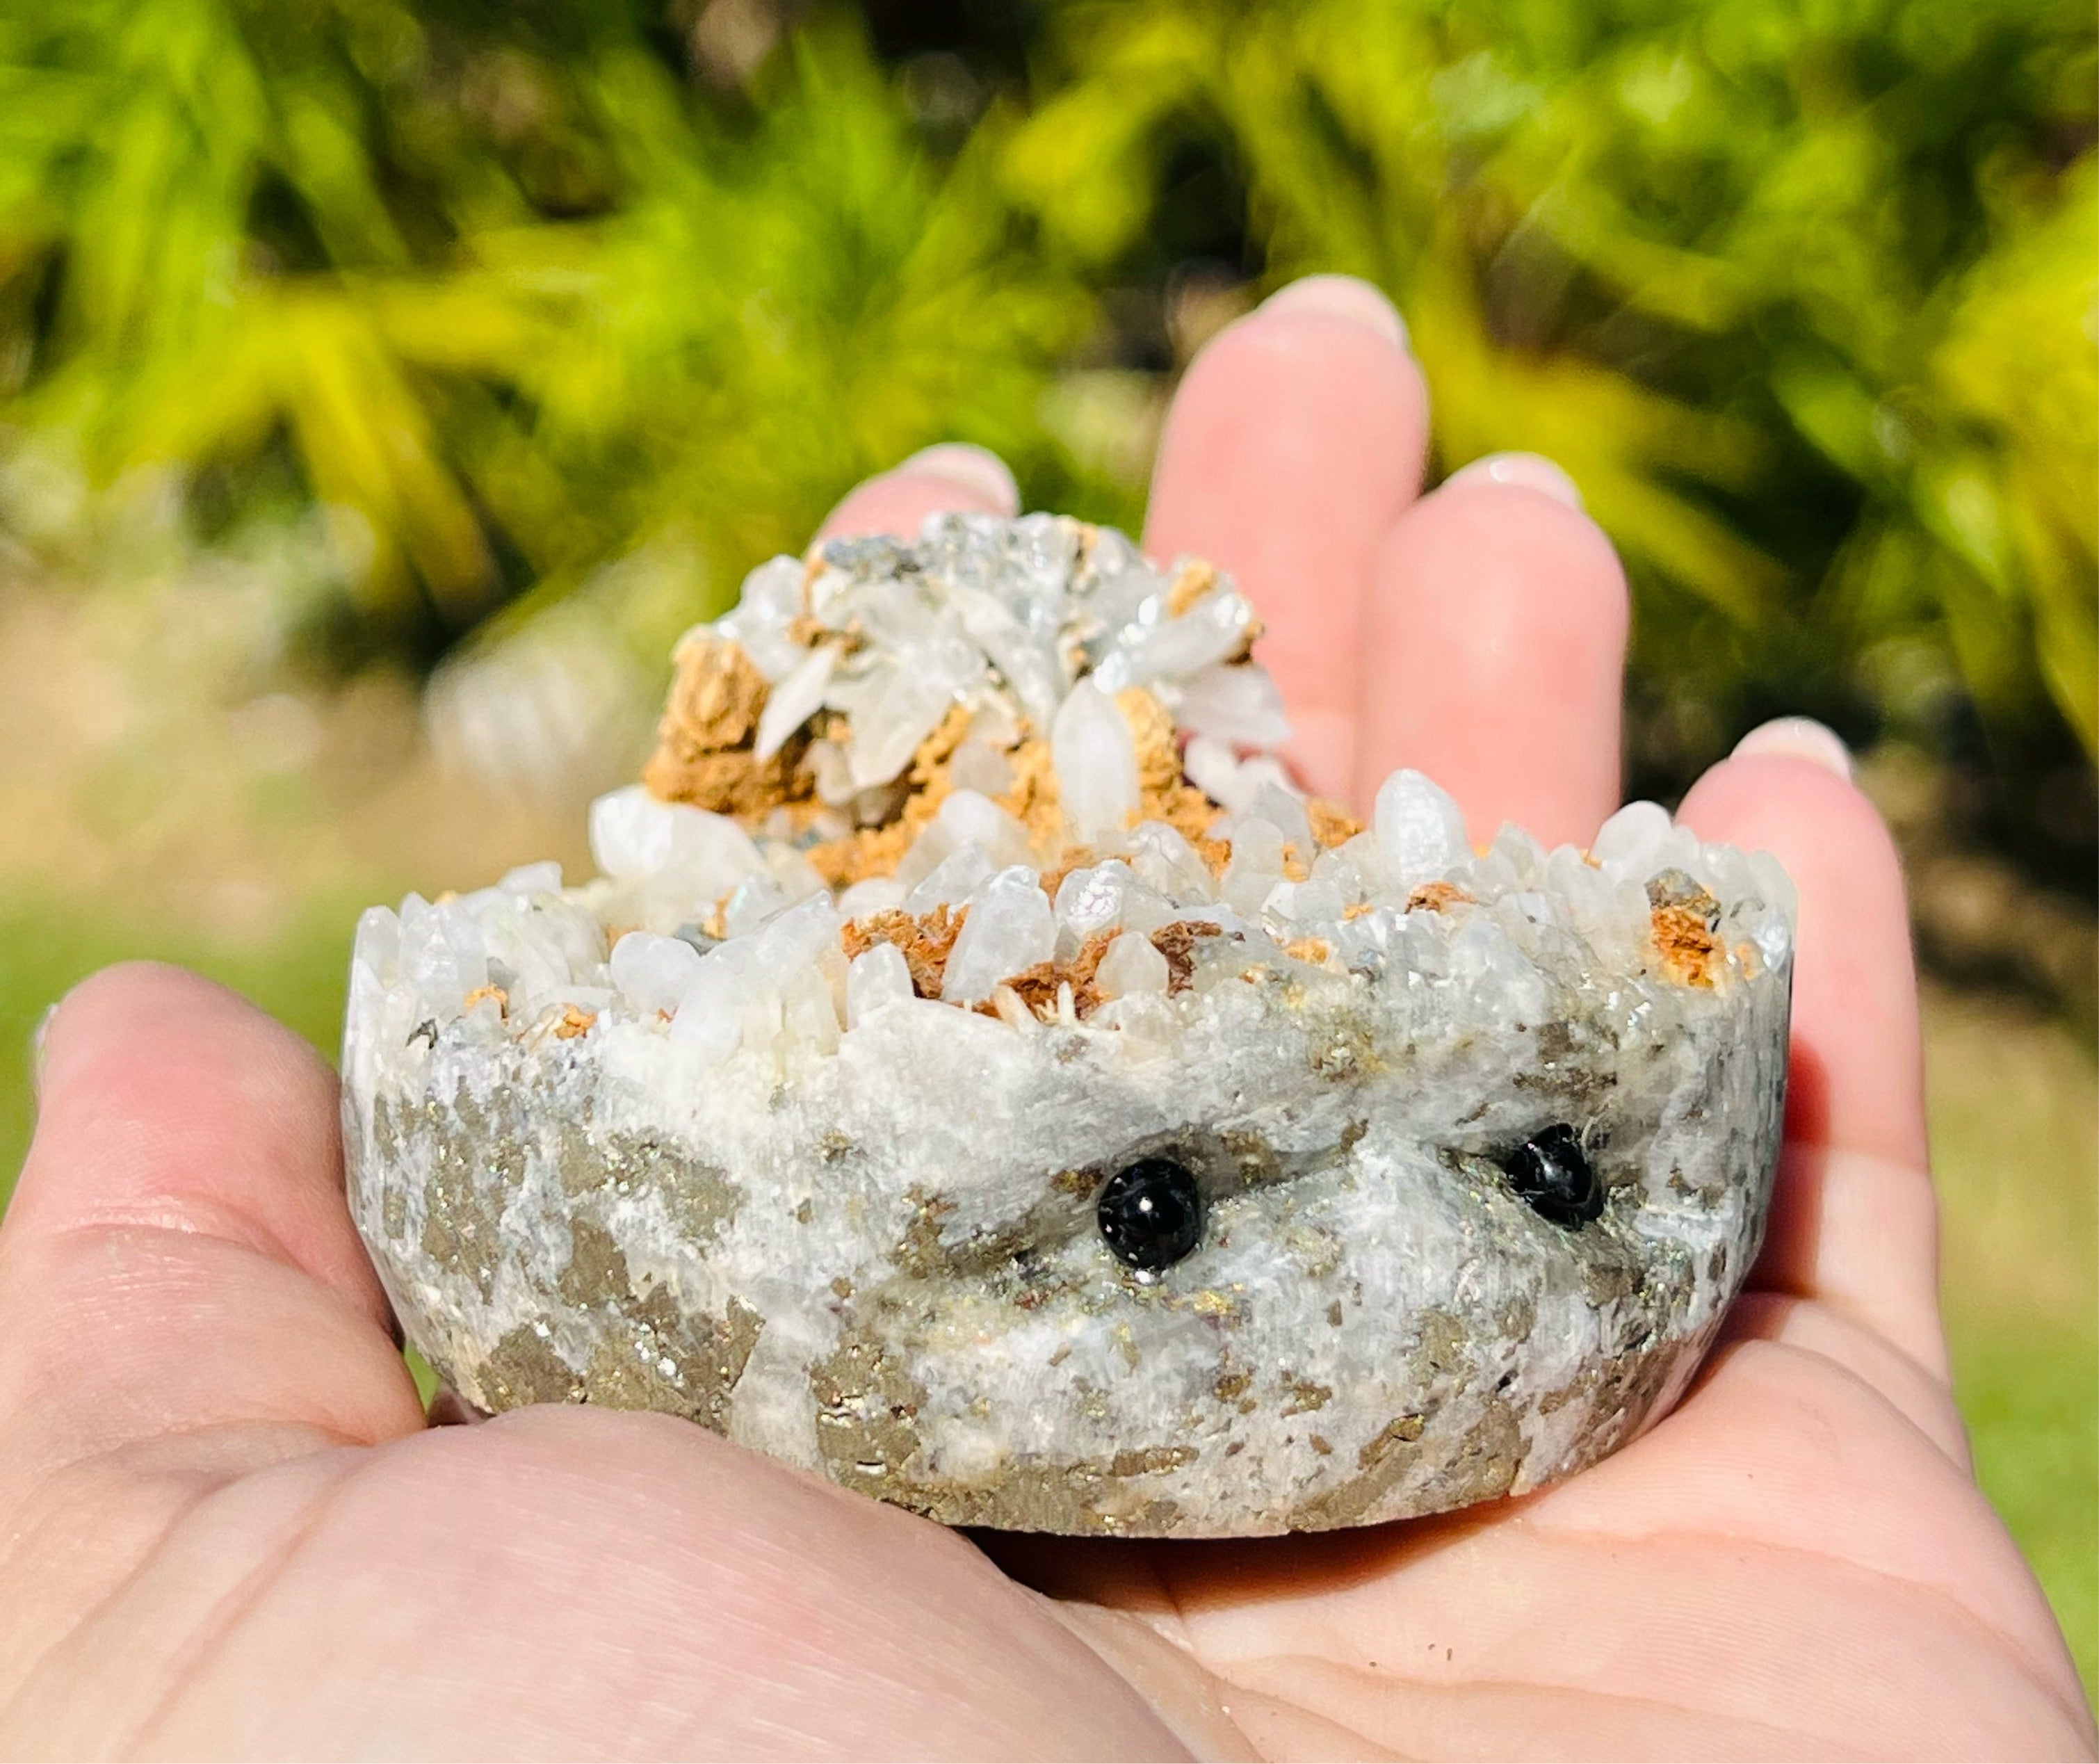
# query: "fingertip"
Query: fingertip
{"points": [[1527, 496], [1533, 547], [169, 1097], [1795, 797], [1493, 658], [954, 477], [1824, 829], [1341, 296], [140, 983], [976, 469], [178, 1247], [1329, 374], [114, 999], [1296, 437], [1854, 985], [39, 1046], [144, 1014], [1801, 738], [1526, 470], [1854, 1220]]}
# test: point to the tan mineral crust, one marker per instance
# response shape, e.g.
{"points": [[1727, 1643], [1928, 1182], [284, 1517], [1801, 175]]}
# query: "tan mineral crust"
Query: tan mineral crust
{"points": [[979, 1075]]}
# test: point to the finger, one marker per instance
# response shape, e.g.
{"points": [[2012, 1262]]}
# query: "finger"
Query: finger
{"points": [[1296, 437], [954, 477], [178, 1256], [1854, 1221], [1782, 1501], [1493, 654]]}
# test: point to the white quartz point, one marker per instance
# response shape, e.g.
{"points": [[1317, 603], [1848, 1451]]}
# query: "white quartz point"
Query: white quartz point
{"points": [[771, 600], [532, 879], [1777, 889], [442, 954], [1284, 811], [630, 832], [793, 874], [795, 700], [1010, 928], [952, 880], [904, 702], [1256, 865], [1164, 860], [809, 1016], [1209, 765], [711, 854], [1236, 704], [878, 976], [750, 904], [1212, 630], [827, 763], [1095, 758], [1625, 842], [1089, 900], [710, 1018], [633, 835], [1773, 934], [980, 767], [378, 945], [970, 818], [1131, 967], [653, 971], [869, 895], [793, 939], [1420, 833]]}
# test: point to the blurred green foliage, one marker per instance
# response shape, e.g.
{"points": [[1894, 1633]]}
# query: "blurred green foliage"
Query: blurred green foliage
{"points": [[495, 288], [1801, 291]]}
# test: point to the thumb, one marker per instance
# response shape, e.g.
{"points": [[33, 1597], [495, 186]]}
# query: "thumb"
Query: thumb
{"points": [[178, 1258]]}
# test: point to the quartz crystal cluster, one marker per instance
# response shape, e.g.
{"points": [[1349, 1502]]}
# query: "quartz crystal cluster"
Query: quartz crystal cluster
{"points": [[977, 1074]]}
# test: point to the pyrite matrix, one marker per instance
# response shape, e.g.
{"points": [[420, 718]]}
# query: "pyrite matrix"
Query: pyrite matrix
{"points": [[979, 1076]]}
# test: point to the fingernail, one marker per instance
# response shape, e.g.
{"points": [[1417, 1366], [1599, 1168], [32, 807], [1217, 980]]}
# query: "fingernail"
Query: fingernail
{"points": [[38, 1036], [1799, 738], [977, 467], [1527, 471], [1342, 297]]}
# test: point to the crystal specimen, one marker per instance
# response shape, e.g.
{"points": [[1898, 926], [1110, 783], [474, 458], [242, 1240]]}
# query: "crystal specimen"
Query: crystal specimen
{"points": [[979, 1075]]}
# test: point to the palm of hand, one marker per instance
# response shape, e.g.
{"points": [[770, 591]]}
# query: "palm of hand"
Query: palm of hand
{"points": [[224, 1526]]}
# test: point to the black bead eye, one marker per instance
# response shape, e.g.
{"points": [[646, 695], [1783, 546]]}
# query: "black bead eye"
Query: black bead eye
{"points": [[1552, 1171], [1151, 1215]]}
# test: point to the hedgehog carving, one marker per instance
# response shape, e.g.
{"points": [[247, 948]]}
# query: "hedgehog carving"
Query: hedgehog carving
{"points": [[979, 1075]]}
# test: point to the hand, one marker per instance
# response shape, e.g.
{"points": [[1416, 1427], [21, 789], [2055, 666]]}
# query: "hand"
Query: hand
{"points": [[225, 1526]]}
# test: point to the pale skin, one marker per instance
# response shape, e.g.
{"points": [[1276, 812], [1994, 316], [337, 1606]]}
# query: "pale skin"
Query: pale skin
{"points": [[226, 1528]]}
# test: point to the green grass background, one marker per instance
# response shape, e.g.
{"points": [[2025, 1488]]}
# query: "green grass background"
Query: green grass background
{"points": [[2011, 1101]]}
